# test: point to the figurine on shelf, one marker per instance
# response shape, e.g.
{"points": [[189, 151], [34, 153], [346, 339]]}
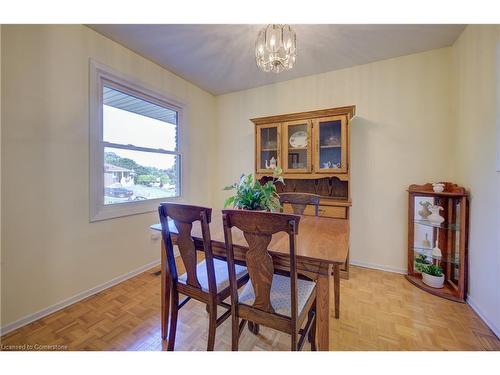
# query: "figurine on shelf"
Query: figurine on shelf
{"points": [[271, 164], [435, 217], [426, 243], [436, 253], [424, 212]]}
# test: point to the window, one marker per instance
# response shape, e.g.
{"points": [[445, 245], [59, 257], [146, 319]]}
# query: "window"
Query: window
{"points": [[135, 157]]}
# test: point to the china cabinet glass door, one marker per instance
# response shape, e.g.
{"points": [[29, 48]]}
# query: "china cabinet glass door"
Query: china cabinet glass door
{"points": [[330, 145], [268, 148], [297, 146]]}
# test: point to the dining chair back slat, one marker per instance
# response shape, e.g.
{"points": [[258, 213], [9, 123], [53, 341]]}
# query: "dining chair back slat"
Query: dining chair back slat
{"points": [[299, 202]]}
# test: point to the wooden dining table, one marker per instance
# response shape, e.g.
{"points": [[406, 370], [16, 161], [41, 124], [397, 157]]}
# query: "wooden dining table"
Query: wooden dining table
{"points": [[322, 247]]}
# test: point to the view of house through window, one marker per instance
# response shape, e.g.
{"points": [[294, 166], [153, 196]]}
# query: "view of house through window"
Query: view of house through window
{"points": [[141, 159]]}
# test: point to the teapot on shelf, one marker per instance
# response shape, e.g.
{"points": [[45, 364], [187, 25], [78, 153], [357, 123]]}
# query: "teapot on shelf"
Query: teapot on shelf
{"points": [[271, 164]]}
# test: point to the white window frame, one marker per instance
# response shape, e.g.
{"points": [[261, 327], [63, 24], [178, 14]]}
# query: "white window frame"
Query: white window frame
{"points": [[100, 74]]}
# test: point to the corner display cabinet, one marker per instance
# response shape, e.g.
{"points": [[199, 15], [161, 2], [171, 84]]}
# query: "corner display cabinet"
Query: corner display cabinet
{"points": [[312, 148], [438, 223]]}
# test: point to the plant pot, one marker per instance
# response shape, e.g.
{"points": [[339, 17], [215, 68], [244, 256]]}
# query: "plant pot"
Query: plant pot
{"points": [[433, 281]]}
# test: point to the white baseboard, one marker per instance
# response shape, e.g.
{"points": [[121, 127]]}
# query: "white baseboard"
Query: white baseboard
{"points": [[78, 297], [473, 305], [378, 267]]}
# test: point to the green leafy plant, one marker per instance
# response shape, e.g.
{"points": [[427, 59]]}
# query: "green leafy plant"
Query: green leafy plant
{"points": [[421, 259], [432, 269], [250, 194], [421, 262]]}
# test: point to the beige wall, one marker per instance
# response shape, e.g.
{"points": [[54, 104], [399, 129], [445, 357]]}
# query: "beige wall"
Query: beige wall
{"points": [[50, 250], [475, 104], [400, 136]]}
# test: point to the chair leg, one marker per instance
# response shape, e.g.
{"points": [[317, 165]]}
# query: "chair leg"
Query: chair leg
{"points": [[174, 309], [312, 332], [294, 341], [253, 327], [165, 302], [212, 325], [235, 333], [313, 335]]}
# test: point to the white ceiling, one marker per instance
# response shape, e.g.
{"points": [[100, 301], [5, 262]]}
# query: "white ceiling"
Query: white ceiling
{"points": [[220, 58]]}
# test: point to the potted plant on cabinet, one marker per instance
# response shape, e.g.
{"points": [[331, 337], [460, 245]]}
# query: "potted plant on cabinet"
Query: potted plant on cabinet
{"points": [[432, 275], [250, 194]]}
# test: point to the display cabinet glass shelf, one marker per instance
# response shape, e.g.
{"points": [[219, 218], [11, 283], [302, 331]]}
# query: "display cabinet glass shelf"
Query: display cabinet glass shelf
{"points": [[437, 238]]}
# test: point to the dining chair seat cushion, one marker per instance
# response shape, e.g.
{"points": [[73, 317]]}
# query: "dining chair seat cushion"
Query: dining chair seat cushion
{"points": [[281, 294], [221, 274]]}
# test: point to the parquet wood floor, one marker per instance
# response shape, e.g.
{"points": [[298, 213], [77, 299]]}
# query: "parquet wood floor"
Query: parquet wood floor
{"points": [[379, 311]]}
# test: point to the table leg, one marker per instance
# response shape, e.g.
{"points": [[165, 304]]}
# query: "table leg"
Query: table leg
{"points": [[323, 311], [336, 289], [165, 294]]}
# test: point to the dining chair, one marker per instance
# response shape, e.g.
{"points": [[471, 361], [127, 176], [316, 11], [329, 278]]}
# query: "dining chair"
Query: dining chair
{"points": [[281, 302], [207, 281], [299, 201]]}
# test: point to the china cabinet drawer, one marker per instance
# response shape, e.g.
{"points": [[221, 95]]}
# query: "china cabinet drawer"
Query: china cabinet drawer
{"points": [[330, 211], [325, 211]]}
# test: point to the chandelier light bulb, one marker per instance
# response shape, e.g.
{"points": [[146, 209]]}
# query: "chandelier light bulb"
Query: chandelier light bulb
{"points": [[276, 48]]}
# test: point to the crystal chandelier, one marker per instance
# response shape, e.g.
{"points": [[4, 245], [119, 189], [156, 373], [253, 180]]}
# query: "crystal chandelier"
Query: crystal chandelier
{"points": [[276, 48]]}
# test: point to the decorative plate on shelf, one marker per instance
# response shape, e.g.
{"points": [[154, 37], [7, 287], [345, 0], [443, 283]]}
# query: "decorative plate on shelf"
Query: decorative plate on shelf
{"points": [[298, 139]]}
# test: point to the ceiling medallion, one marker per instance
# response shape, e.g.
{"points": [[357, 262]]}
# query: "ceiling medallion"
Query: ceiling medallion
{"points": [[276, 48]]}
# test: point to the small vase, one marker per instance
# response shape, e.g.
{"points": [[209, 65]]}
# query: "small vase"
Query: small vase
{"points": [[435, 217], [438, 187]]}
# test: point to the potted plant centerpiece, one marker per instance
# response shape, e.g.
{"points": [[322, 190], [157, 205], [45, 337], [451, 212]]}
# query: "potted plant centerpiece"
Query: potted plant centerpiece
{"points": [[432, 274], [250, 194]]}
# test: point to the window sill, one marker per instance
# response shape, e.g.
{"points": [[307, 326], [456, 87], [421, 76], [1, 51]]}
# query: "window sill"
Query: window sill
{"points": [[112, 211]]}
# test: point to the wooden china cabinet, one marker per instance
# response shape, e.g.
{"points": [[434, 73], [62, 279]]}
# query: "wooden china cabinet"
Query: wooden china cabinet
{"points": [[449, 234], [312, 148]]}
